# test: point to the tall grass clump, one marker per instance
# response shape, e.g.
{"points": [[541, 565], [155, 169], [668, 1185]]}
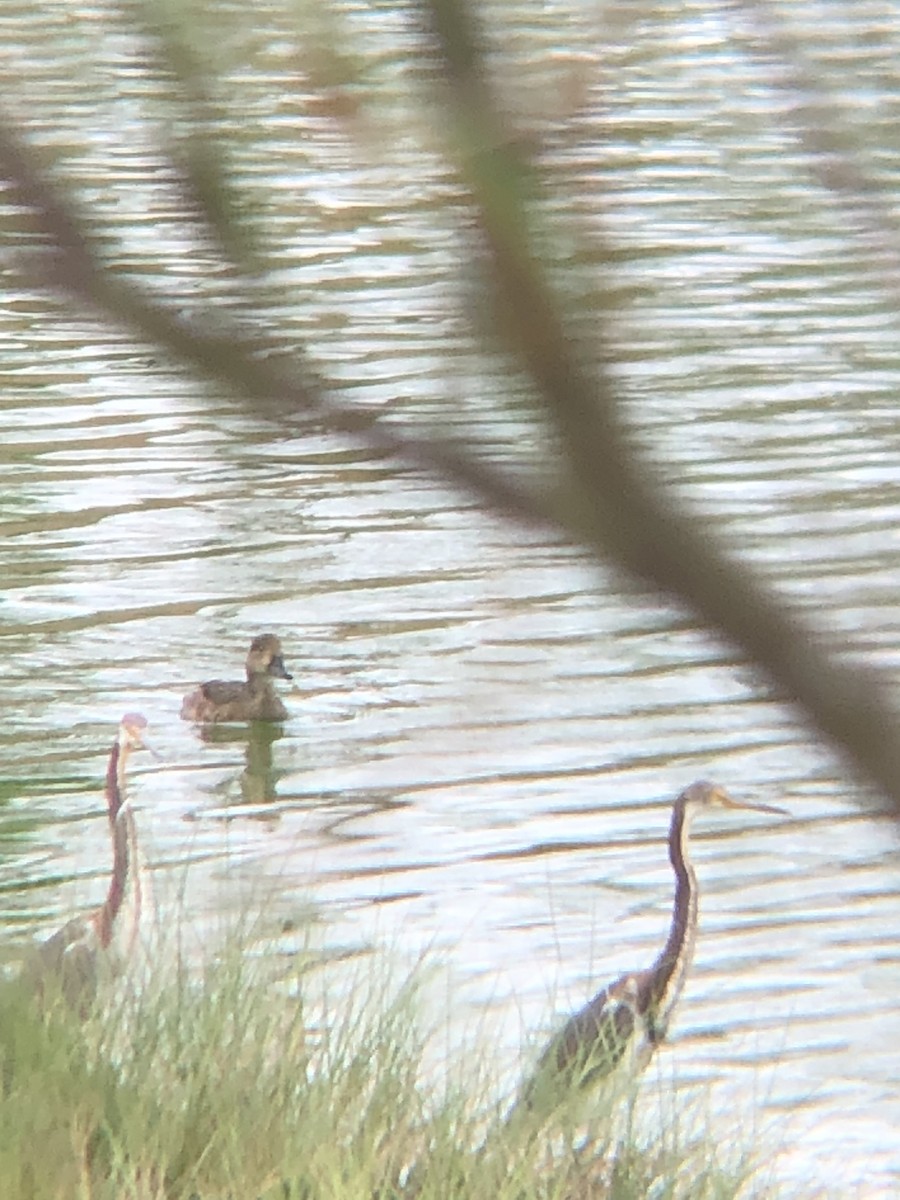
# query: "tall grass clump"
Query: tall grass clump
{"points": [[221, 1082]]}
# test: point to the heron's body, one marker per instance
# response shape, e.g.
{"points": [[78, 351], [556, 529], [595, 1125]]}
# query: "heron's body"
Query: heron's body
{"points": [[627, 1020], [253, 700]]}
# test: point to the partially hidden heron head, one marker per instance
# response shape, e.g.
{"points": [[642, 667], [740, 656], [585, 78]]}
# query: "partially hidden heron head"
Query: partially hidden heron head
{"points": [[133, 736]]}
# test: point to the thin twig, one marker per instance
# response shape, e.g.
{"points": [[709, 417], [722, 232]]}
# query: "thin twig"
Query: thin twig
{"points": [[623, 509]]}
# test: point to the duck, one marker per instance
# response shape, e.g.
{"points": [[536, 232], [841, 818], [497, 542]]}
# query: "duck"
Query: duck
{"points": [[72, 957], [254, 700]]}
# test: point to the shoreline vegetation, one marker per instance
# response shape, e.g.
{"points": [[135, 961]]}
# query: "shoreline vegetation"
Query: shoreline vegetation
{"points": [[221, 1081]]}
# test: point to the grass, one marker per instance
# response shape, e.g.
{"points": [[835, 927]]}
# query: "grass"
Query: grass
{"points": [[222, 1084]]}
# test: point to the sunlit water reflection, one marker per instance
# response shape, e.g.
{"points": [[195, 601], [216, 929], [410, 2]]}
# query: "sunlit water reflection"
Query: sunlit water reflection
{"points": [[486, 731]]}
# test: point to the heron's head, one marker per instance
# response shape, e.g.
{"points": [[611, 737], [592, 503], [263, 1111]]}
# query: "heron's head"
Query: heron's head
{"points": [[132, 736], [265, 657], [133, 732], [703, 794]]}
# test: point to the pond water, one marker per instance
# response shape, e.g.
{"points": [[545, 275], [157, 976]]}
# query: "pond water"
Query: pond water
{"points": [[487, 729]]}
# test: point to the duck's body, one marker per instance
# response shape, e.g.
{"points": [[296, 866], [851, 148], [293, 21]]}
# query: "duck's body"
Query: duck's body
{"points": [[224, 700], [253, 700], [71, 957]]}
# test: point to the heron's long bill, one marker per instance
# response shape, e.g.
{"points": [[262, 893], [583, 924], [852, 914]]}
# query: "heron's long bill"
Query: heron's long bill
{"points": [[766, 808], [154, 753]]}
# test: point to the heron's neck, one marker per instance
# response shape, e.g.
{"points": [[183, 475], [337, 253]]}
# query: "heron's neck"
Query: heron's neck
{"points": [[115, 796], [114, 773], [670, 969], [115, 894]]}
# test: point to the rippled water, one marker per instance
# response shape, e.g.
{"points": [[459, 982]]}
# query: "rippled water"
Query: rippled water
{"points": [[486, 729]]}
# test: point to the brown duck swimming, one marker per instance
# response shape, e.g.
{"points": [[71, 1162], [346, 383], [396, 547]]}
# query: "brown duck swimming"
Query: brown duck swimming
{"points": [[255, 700]]}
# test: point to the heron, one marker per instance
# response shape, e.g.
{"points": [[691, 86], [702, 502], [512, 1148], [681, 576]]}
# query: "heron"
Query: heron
{"points": [[626, 1021], [72, 956]]}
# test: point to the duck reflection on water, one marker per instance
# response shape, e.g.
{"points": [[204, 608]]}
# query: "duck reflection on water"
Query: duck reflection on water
{"points": [[253, 700]]}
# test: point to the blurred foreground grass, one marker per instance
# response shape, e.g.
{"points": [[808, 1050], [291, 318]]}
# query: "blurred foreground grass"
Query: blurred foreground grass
{"points": [[222, 1082]]}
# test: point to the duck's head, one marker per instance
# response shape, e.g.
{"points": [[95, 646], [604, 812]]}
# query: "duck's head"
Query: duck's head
{"points": [[265, 657]]}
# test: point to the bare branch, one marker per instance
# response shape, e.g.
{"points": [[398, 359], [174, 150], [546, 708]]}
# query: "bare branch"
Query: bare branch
{"points": [[230, 355], [622, 510]]}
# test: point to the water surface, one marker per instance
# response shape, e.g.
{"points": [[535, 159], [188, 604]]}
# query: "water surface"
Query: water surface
{"points": [[487, 729]]}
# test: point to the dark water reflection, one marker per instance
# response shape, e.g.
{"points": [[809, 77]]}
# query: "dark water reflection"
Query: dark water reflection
{"points": [[486, 730]]}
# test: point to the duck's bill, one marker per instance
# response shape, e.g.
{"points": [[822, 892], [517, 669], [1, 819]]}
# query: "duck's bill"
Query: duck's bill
{"points": [[278, 669]]}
